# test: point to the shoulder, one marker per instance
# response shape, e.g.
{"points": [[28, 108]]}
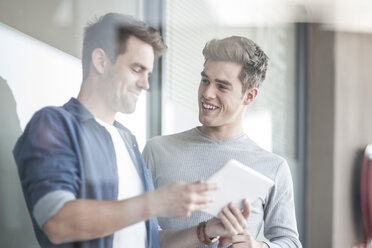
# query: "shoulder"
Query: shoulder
{"points": [[46, 125], [170, 139], [50, 114], [166, 145], [264, 161], [280, 170], [263, 154]]}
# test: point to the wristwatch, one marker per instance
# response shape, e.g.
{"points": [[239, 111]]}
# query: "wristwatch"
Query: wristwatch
{"points": [[202, 236]]}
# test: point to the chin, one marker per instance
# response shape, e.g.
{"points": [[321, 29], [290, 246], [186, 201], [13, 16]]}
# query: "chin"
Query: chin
{"points": [[204, 122], [128, 110]]}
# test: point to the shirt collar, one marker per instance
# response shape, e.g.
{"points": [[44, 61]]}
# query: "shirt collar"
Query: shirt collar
{"points": [[78, 110], [75, 107]]}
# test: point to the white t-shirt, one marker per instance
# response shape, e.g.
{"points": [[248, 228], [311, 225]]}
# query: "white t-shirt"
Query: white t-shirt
{"points": [[130, 185]]}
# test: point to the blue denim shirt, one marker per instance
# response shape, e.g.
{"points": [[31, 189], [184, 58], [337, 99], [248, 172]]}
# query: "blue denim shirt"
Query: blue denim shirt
{"points": [[64, 148]]}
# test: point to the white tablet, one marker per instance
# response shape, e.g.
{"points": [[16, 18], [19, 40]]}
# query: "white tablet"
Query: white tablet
{"points": [[237, 182]]}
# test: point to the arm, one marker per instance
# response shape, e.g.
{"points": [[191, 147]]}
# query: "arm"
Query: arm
{"points": [[231, 221], [84, 219], [179, 238], [244, 240], [241, 238], [88, 219], [279, 218], [48, 165], [279, 213]]}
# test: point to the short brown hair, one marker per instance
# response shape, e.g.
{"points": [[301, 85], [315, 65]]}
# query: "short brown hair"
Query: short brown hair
{"points": [[111, 33]]}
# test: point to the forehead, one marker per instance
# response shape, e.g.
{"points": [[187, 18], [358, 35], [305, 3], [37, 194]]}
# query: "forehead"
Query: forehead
{"points": [[223, 70], [138, 51]]}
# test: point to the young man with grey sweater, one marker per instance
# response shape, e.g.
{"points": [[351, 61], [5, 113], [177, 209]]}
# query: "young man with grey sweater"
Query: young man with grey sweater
{"points": [[234, 69]]}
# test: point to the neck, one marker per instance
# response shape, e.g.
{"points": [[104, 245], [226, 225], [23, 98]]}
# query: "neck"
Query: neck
{"points": [[220, 133], [93, 98]]}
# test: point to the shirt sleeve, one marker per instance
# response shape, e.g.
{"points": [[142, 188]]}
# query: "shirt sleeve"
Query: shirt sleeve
{"points": [[47, 164], [280, 226], [147, 154]]}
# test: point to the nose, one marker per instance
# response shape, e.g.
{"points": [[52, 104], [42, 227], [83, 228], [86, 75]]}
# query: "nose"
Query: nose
{"points": [[209, 91], [143, 83]]}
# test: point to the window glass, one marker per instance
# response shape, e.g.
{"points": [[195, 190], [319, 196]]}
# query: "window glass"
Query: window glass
{"points": [[271, 119], [40, 65]]}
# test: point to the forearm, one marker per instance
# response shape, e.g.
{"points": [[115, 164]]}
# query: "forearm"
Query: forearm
{"points": [[185, 238], [285, 242], [88, 219]]}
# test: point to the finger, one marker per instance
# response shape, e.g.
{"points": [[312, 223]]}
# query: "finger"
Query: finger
{"points": [[199, 201], [246, 209], [232, 219], [240, 238], [202, 186], [227, 224], [201, 198], [238, 215], [240, 245], [197, 207]]}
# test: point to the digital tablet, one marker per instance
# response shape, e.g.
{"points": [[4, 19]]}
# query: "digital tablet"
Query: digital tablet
{"points": [[237, 182]]}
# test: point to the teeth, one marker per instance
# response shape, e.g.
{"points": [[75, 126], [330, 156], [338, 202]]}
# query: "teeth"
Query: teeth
{"points": [[207, 106]]}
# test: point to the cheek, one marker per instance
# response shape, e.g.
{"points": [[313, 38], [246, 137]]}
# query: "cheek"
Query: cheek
{"points": [[199, 91]]}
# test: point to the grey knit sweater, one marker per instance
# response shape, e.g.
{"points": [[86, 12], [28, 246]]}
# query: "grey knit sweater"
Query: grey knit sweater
{"points": [[192, 155]]}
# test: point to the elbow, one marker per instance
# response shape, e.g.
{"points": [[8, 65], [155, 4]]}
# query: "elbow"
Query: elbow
{"points": [[54, 231]]}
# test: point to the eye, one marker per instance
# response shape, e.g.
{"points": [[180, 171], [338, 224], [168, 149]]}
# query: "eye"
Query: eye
{"points": [[222, 87], [205, 81], [136, 69]]}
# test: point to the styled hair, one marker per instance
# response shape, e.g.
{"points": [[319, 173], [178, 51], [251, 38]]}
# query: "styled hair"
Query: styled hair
{"points": [[111, 33], [242, 51]]}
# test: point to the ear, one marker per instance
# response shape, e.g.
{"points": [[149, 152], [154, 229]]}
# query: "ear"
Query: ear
{"points": [[99, 60], [250, 95]]}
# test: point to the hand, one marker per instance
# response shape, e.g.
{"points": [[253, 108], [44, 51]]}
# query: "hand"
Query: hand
{"points": [[232, 221], [243, 240], [181, 198]]}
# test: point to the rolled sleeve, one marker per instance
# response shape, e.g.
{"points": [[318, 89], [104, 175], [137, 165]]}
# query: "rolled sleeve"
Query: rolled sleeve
{"points": [[49, 204], [47, 164]]}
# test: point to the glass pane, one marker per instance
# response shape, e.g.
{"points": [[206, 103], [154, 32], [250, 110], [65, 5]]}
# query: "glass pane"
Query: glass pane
{"points": [[40, 65], [271, 119]]}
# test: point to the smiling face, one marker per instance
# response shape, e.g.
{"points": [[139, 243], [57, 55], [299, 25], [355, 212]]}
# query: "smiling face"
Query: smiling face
{"points": [[128, 76], [221, 101]]}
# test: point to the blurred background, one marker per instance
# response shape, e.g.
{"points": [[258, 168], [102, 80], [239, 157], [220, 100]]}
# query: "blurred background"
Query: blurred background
{"points": [[313, 108]]}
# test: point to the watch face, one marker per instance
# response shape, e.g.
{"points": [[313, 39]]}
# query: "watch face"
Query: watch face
{"points": [[214, 239]]}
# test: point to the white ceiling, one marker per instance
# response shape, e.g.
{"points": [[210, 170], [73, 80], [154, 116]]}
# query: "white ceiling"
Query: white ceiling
{"points": [[342, 15]]}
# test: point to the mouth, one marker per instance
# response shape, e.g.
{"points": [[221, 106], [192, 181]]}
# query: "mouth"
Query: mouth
{"points": [[136, 93], [208, 106]]}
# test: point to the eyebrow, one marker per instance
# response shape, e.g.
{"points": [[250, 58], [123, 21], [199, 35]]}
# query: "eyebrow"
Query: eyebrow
{"points": [[220, 81], [224, 82]]}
